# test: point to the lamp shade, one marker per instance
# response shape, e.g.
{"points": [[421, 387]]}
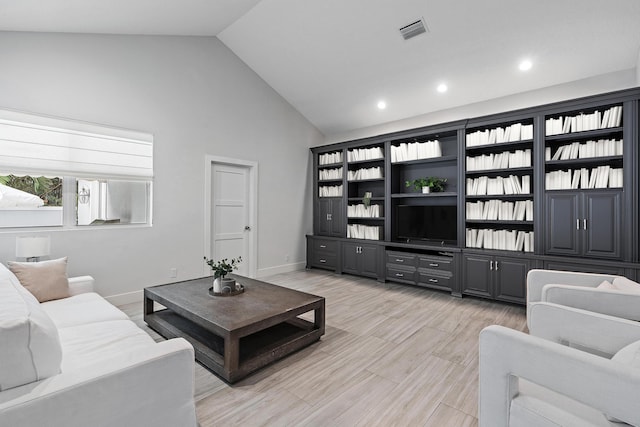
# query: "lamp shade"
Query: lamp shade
{"points": [[32, 246]]}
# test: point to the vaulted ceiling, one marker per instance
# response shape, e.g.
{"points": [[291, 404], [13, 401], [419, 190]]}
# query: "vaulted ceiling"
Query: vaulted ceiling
{"points": [[334, 60]]}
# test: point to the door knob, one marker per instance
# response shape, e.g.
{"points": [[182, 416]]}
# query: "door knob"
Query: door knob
{"points": [[246, 227]]}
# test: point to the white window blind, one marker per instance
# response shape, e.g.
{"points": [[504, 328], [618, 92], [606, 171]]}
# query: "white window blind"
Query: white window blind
{"points": [[45, 145]]}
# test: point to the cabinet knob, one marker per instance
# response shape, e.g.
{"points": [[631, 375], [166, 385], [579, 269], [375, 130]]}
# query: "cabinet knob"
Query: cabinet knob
{"points": [[399, 275], [490, 265], [323, 246], [433, 280], [496, 265], [577, 223], [399, 260], [433, 264], [584, 223], [323, 261]]}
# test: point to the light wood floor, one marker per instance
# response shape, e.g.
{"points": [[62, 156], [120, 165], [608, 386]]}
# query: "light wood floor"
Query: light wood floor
{"points": [[392, 355]]}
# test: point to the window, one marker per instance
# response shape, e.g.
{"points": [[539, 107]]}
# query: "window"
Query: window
{"points": [[112, 202], [56, 172], [29, 201]]}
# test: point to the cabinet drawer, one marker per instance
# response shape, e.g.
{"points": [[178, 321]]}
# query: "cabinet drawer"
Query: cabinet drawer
{"points": [[436, 263], [401, 259], [399, 274], [434, 281], [321, 245], [325, 260]]}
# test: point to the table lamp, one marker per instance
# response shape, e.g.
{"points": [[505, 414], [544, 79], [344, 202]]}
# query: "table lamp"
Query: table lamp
{"points": [[32, 247]]}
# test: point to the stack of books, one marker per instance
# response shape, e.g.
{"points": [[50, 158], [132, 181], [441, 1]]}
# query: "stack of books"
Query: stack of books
{"points": [[365, 173], [330, 191], [512, 184], [362, 154], [415, 151], [504, 160], [601, 177], [515, 132], [612, 117], [325, 174], [359, 231], [521, 210], [507, 240], [330, 158], [363, 211]]}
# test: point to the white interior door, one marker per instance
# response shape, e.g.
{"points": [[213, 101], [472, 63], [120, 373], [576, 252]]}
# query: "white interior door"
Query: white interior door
{"points": [[230, 214]]}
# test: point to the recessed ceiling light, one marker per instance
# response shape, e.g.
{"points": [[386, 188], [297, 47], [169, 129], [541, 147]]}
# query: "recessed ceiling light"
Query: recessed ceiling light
{"points": [[382, 105], [525, 65], [442, 88]]}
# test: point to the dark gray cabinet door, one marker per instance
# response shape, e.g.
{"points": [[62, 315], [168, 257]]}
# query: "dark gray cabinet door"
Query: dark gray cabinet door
{"points": [[477, 275], [330, 217], [360, 259], [350, 258], [562, 223], [601, 224], [511, 278], [369, 262]]}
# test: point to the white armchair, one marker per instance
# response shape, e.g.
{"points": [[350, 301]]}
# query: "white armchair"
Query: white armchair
{"points": [[530, 380], [580, 290]]}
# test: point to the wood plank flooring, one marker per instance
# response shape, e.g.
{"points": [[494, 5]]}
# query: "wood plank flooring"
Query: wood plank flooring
{"points": [[392, 355]]}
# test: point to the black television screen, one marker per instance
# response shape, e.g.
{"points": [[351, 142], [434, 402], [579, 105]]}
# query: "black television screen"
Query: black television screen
{"points": [[434, 223]]}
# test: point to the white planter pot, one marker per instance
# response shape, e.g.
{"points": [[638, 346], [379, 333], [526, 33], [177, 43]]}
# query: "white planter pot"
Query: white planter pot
{"points": [[224, 285], [426, 190]]}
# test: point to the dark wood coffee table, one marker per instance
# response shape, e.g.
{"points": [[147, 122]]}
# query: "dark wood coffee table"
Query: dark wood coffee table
{"points": [[235, 335]]}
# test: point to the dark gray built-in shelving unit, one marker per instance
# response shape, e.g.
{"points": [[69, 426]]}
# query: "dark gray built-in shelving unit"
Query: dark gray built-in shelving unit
{"points": [[565, 219]]}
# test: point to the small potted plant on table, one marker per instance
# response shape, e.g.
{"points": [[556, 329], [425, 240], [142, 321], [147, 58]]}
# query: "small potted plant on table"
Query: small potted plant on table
{"points": [[220, 270], [428, 184]]}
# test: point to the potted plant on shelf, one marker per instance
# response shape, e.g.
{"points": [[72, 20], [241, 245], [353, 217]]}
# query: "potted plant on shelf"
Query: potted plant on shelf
{"points": [[428, 184], [220, 270]]}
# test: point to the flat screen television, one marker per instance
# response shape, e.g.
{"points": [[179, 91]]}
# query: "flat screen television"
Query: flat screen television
{"points": [[436, 224]]}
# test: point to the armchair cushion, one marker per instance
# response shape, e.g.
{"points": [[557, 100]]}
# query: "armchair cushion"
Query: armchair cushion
{"points": [[46, 280], [626, 285], [606, 285], [629, 355]]}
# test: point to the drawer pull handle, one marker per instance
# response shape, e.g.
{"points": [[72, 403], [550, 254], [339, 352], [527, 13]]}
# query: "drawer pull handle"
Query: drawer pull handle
{"points": [[433, 264], [399, 275], [399, 260], [323, 261], [323, 246], [433, 280]]}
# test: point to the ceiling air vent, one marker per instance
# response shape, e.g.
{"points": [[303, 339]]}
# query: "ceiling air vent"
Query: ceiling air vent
{"points": [[413, 29]]}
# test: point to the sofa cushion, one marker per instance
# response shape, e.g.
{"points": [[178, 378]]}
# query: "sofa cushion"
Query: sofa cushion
{"points": [[29, 343], [47, 280], [85, 345], [82, 309]]}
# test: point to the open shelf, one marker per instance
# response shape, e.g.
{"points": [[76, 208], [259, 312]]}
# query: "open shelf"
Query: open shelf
{"points": [[422, 195]]}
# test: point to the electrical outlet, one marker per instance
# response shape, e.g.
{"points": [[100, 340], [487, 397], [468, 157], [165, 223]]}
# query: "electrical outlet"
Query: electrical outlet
{"points": [[173, 273]]}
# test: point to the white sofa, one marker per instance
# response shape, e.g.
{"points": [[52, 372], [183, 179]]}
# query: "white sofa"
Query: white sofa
{"points": [[109, 372]]}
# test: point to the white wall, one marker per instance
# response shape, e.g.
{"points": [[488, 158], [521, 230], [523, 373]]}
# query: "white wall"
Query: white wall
{"points": [[197, 98], [600, 84]]}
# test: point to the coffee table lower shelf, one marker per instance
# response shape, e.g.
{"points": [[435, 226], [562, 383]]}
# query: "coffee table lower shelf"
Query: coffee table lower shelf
{"points": [[255, 350]]}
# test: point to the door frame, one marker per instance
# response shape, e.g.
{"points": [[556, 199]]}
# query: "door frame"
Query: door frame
{"points": [[252, 167]]}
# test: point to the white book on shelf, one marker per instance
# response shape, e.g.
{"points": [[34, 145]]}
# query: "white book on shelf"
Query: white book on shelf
{"points": [[558, 154], [584, 178], [593, 177], [528, 210], [526, 132], [547, 153], [605, 119], [575, 182]]}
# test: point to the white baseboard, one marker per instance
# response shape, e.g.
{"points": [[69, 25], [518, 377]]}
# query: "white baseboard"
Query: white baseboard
{"points": [[285, 268], [127, 298]]}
